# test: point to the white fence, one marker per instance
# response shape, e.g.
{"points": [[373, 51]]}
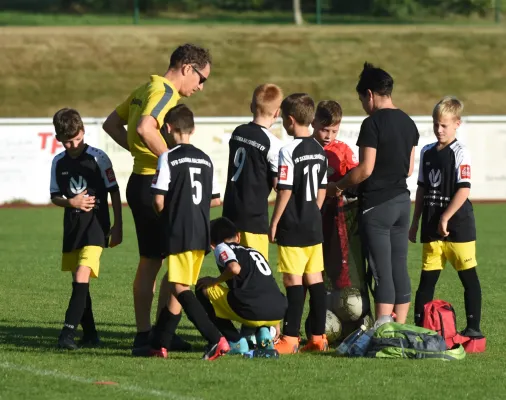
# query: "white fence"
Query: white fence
{"points": [[28, 147]]}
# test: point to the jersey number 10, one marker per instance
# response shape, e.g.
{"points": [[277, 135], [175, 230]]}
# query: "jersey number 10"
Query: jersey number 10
{"points": [[314, 173]]}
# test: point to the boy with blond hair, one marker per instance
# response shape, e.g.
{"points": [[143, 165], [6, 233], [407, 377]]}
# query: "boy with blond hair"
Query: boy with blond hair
{"points": [[448, 231], [296, 224], [253, 169]]}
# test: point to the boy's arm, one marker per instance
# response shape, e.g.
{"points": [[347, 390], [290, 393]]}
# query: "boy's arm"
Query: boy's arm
{"points": [[160, 185], [323, 184], [228, 264], [273, 159], [282, 198], [81, 202], [114, 126], [117, 228]]}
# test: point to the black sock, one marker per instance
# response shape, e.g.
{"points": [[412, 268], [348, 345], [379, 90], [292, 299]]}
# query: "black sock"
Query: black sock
{"points": [[472, 297], [164, 330], [317, 308], [87, 320], [197, 315], [425, 293], [76, 307], [293, 316], [225, 326]]}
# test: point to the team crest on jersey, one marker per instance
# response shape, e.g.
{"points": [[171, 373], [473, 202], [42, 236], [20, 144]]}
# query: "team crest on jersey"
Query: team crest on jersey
{"points": [[465, 172], [435, 178], [155, 178], [78, 185], [223, 256], [283, 173], [109, 172]]}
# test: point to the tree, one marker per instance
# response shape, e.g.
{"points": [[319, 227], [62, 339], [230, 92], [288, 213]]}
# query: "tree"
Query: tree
{"points": [[297, 13]]}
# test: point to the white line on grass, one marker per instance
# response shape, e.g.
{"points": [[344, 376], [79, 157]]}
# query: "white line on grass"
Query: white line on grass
{"points": [[80, 379]]}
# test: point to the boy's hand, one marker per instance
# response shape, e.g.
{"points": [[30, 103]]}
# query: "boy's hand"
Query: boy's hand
{"points": [[412, 232], [116, 235], [205, 282], [83, 202], [443, 227], [272, 233]]}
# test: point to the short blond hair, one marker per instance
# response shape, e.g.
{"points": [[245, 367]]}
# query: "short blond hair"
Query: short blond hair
{"points": [[266, 100], [449, 105]]}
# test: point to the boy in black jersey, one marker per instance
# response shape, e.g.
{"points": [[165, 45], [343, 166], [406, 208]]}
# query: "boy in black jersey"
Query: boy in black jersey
{"points": [[81, 179], [448, 229], [253, 169], [252, 298], [296, 224], [184, 191]]}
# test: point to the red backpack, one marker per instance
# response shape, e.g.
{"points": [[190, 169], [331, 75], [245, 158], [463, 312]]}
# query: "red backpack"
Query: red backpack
{"points": [[439, 316]]}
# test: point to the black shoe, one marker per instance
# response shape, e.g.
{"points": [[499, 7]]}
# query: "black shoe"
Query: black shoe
{"points": [[66, 342], [472, 333], [179, 344], [90, 341], [141, 339]]}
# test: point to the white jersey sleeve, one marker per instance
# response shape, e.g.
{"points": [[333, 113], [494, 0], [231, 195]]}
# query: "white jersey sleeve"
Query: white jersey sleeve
{"points": [[273, 153], [54, 188], [463, 167], [224, 254], [286, 168], [161, 179]]}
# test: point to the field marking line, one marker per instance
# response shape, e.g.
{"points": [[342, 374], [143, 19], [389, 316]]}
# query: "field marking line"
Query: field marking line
{"points": [[80, 379]]}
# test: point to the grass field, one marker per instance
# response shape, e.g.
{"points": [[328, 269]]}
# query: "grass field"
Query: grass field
{"points": [[34, 296], [94, 68]]}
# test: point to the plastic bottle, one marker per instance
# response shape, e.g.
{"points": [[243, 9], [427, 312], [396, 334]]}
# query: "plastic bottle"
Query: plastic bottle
{"points": [[344, 347], [360, 346], [262, 353]]}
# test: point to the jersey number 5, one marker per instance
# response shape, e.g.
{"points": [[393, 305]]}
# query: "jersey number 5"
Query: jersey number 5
{"points": [[239, 159], [197, 196], [314, 170], [262, 265]]}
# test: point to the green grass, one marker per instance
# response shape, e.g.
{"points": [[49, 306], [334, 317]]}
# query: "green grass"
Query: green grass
{"points": [[34, 295], [95, 68]]}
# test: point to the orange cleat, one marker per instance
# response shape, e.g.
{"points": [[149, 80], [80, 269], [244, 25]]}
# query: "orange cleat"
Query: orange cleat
{"points": [[287, 345], [316, 343]]}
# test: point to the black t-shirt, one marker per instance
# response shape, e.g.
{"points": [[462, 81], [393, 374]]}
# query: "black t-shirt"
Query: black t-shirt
{"points": [[303, 170], [91, 171], [393, 134], [252, 165], [441, 174], [254, 294], [185, 177]]}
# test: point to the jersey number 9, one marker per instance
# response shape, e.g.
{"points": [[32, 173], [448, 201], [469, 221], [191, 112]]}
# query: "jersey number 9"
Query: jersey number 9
{"points": [[239, 159]]}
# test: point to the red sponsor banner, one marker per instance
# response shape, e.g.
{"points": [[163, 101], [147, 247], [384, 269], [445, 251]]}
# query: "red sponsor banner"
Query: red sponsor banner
{"points": [[109, 172], [465, 172], [283, 173], [223, 256]]}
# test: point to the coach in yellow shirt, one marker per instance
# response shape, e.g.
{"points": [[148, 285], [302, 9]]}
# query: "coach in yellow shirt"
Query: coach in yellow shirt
{"points": [[143, 113]]}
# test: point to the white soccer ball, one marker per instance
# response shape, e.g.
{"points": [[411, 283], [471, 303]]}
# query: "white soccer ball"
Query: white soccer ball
{"points": [[348, 304], [333, 327]]}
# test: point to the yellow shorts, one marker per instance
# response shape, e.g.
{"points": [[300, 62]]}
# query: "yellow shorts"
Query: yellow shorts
{"points": [[257, 241], [87, 256], [218, 298], [300, 260], [184, 268], [461, 256]]}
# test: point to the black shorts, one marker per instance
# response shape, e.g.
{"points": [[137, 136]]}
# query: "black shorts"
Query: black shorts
{"points": [[147, 223]]}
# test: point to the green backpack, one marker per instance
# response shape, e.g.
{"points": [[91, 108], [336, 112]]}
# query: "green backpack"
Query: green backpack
{"points": [[394, 340]]}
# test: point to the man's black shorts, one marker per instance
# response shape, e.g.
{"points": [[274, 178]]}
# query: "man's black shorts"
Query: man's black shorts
{"points": [[147, 223]]}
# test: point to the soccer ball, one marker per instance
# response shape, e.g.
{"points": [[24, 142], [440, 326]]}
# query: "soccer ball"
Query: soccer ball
{"points": [[333, 327], [348, 304]]}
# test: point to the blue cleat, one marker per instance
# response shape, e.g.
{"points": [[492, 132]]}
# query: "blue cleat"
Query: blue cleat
{"points": [[264, 338], [240, 347]]}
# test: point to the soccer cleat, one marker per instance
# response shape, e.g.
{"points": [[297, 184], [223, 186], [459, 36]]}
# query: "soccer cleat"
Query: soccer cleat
{"points": [[471, 333], [240, 347], [141, 339], [67, 342], [264, 338], [148, 351], [287, 345], [317, 343], [90, 341], [217, 350]]}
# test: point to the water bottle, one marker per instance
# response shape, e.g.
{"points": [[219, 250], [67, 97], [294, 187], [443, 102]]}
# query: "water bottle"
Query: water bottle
{"points": [[262, 353], [344, 347], [360, 346]]}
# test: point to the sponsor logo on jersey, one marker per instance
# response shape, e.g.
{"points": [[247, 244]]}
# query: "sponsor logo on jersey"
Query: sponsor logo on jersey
{"points": [[109, 172], [155, 178], [465, 172], [78, 186], [283, 173], [223, 256], [65, 173], [435, 178]]}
